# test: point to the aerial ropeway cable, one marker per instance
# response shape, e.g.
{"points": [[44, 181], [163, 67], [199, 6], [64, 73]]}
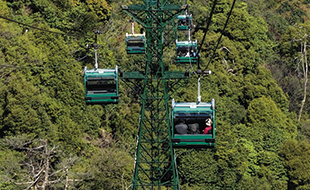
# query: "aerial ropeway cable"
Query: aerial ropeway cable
{"points": [[207, 27], [34, 27], [49, 31], [43, 68], [219, 39]]}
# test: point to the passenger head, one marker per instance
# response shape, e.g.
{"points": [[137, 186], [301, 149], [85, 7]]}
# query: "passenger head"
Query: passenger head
{"points": [[208, 121]]}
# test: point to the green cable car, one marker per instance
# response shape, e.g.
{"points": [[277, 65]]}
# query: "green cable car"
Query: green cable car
{"points": [[101, 86], [135, 43], [193, 124], [184, 22], [186, 52]]}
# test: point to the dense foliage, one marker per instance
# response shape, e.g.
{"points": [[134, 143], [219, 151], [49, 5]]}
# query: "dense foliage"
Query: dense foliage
{"points": [[257, 82]]}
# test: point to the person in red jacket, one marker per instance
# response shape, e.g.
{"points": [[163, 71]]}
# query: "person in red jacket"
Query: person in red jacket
{"points": [[208, 126]]}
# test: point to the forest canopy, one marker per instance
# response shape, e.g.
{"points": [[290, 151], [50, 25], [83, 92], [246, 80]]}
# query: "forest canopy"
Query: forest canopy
{"points": [[258, 81]]}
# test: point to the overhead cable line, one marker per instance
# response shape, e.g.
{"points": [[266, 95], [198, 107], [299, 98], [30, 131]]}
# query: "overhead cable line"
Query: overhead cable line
{"points": [[62, 33], [219, 40], [208, 24], [32, 26], [44, 68]]}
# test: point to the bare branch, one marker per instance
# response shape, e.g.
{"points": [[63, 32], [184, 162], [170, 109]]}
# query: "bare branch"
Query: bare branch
{"points": [[23, 183], [38, 161], [56, 181], [39, 172], [34, 182]]}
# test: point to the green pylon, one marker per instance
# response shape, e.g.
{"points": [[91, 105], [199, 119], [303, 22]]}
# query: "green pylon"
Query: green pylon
{"points": [[155, 165]]}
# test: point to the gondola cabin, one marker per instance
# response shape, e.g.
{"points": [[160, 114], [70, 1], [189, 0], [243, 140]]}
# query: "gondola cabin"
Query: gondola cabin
{"points": [[101, 86], [186, 52], [184, 22], [135, 43], [193, 124]]}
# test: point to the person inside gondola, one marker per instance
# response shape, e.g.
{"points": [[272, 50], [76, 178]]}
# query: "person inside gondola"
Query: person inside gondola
{"points": [[193, 53], [187, 54], [187, 21], [208, 126], [194, 128], [181, 128], [181, 22], [179, 54]]}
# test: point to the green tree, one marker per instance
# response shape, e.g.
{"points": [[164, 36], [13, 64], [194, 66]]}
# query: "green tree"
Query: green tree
{"points": [[296, 158]]}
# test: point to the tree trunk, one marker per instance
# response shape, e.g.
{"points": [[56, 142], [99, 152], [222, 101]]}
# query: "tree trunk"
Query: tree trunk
{"points": [[45, 182], [305, 70], [67, 180]]}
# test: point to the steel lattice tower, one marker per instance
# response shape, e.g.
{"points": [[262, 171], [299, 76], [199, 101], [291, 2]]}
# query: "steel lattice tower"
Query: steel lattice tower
{"points": [[155, 166]]}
